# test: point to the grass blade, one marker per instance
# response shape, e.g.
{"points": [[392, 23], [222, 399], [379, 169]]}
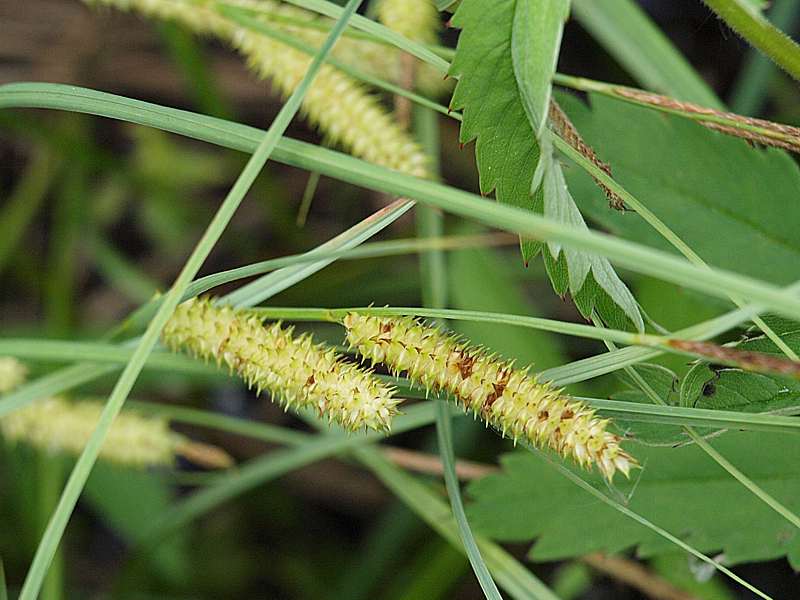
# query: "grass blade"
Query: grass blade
{"points": [[759, 33], [430, 223], [55, 529], [633, 256], [518, 581]]}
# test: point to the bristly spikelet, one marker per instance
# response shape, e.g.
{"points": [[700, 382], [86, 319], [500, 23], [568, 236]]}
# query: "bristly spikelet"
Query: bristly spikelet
{"points": [[56, 425], [366, 55], [342, 109], [12, 373], [510, 400], [296, 371], [417, 20]]}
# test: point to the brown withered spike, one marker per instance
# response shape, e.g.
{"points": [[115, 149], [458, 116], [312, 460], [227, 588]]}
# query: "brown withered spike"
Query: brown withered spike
{"points": [[744, 359], [569, 133], [789, 135]]}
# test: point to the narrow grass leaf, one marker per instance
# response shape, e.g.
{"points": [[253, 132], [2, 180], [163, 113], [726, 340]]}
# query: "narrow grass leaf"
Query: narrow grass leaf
{"points": [[55, 529]]}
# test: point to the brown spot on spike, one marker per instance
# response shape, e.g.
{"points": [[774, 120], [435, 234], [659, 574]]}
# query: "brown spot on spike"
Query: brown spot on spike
{"points": [[567, 414], [543, 415], [465, 364], [498, 388]]}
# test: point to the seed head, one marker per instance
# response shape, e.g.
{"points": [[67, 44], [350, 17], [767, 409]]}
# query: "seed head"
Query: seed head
{"points": [[343, 110], [58, 426], [12, 373], [294, 370], [509, 399], [417, 20]]}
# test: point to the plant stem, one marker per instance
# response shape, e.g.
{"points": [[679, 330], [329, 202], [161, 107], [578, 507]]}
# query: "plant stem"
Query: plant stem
{"points": [[753, 82], [760, 33], [667, 233], [430, 223], [55, 529], [748, 483]]}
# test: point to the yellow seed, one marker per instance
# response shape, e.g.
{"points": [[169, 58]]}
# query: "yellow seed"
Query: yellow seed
{"points": [[58, 426], [342, 109], [12, 373], [510, 400], [417, 20], [296, 371]]}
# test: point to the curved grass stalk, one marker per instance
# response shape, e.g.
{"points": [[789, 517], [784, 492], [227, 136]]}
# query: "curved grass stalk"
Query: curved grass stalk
{"points": [[375, 79], [307, 448], [636, 257], [760, 131], [69, 497], [257, 291], [665, 232], [580, 482], [296, 26], [329, 9], [743, 18], [270, 466], [758, 362]]}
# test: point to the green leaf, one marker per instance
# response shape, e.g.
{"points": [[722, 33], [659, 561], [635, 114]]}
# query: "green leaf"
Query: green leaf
{"points": [[501, 97], [734, 205], [709, 386], [680, 489], [665, 383], [535, 41], [560, 206]]}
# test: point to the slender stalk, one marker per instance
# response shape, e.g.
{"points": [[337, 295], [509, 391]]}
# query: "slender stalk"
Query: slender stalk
{"points": [[583, 484], [759, 362], [49, 479], [21, 206], [55, 529], [430, 223], [753, 82], [744, 19], [756, 130], [241, 17], [748, 483], [634, 256]]}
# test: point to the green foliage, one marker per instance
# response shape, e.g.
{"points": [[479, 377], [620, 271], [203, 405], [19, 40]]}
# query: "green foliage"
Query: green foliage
{"points": [[680, 489], [504, 89], [726, 388], [732, 204]]}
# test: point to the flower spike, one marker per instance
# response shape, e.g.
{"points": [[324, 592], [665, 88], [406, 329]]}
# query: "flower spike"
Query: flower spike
{"points": [[511, 400], [294, 370]]}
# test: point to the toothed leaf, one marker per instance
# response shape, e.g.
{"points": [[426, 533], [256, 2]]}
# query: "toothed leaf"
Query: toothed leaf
{"points": [[504, 64], [681, 489]]}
